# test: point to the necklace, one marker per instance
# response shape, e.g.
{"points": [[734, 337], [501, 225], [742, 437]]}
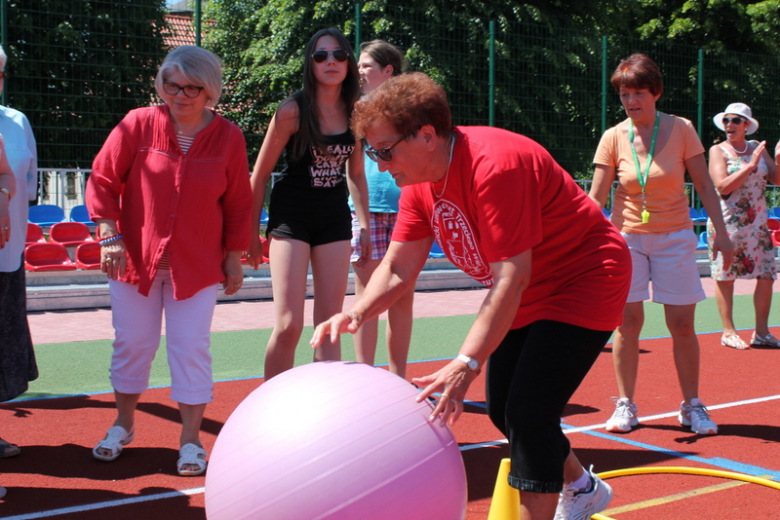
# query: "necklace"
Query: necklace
{"points": [[747, 144], [446, 175], [643, 178]]}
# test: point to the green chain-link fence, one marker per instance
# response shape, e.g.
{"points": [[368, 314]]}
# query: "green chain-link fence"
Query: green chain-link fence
{"points": [[77, 66]]}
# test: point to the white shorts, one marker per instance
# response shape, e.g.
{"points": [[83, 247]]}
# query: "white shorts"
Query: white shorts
{"points": [[669, 260]]}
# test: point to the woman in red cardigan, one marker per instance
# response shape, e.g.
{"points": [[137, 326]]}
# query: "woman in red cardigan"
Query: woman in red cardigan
{"points": [[170, 193]]}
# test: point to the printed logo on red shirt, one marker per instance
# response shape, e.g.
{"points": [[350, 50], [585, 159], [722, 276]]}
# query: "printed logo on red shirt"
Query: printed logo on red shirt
{"points": [[454, 233]]}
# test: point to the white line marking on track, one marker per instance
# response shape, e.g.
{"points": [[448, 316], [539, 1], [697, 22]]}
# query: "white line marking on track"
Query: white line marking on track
{"points": [[197, 491], [103, 505]]}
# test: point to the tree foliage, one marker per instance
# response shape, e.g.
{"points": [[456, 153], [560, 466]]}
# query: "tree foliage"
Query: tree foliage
{"points": [[77, 66]]}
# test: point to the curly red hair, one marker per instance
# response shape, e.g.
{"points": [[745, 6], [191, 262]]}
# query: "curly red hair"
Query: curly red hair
{"points": [[407, 102]]}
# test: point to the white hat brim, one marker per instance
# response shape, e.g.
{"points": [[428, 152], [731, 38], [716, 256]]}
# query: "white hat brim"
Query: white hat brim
{"points": [[752, 127]]}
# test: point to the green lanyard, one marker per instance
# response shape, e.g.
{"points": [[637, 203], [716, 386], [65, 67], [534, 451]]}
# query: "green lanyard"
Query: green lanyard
{"points": [[643, 177]]}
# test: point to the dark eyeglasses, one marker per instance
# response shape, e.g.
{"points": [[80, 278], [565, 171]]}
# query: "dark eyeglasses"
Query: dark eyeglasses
{"points": [[3, 75], [384, 153], [338, 55], [172, 89], [735, 120]]}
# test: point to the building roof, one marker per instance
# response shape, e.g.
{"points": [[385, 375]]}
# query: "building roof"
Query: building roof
{"points": [[179, 31]]}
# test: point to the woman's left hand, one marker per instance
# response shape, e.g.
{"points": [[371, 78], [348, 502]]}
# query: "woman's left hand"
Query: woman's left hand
{"points": [[365, 247], [234, 273], [453, 380], [757, 153]]}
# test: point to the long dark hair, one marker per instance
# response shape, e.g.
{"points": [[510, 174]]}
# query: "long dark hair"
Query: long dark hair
{"points": [[309, 133]]}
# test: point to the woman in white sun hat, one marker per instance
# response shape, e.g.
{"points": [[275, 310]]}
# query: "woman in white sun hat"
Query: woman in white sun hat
{"points": [[741, 170]]}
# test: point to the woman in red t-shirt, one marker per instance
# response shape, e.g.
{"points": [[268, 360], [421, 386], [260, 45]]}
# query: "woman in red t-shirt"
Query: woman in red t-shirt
{"points": [[558, 275]]}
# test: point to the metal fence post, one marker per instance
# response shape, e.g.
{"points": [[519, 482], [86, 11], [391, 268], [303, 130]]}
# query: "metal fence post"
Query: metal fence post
{"points": [[197, 22], [3, 36], [604, 51], [357, 27], [492, 75], [700, 109]]}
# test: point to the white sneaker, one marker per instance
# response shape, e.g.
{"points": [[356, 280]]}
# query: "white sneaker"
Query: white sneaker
{"points": [[580, 505], [697, 417], [624, 417]]}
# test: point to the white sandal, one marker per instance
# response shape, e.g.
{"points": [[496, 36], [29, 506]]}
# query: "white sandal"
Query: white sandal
{"points": [[765, 341], [733, 341], [191, 455], [115, 440]]}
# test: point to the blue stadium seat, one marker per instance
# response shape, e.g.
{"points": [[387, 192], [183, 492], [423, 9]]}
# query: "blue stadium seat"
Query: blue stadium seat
{"points": [[775, 213], [436, 251], [701, 216], [263, 219], [80, 214], [702, 241], [694, 213], [46, 214]]}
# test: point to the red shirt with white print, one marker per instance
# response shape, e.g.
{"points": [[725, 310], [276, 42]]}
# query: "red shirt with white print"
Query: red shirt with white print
{"points": [[505, 194]]}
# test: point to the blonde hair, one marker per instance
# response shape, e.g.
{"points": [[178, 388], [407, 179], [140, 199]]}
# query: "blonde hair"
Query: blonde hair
{"points": [[199, 66]]}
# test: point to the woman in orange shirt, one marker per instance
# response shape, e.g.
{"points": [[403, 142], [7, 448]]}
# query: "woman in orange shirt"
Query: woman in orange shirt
{"points": [[648, 154]]}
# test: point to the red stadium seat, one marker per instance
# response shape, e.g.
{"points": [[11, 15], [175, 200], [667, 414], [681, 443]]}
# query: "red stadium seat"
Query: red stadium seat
{"points": [[70, 234], [88, 255], [34, 234], [776, 238], [47, 257], [773, 224]]}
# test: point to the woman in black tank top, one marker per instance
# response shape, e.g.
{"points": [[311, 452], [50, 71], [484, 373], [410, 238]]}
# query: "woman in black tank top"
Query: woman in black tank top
{"points": [[309, 219]]}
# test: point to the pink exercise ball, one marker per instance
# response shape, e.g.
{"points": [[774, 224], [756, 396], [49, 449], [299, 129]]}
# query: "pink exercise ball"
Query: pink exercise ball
{"points": [[335, 440]]}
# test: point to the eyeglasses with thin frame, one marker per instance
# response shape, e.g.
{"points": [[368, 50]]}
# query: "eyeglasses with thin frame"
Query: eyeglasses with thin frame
{"points": [[734, 120], [385, 154], [338, 55], [173, 89]]}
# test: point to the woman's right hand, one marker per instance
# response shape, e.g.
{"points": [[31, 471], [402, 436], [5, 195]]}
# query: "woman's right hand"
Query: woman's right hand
{"points": [[113, 259], [333, 327], [255, 254]]}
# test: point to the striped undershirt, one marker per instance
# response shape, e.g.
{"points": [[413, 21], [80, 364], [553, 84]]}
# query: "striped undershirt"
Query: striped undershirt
{"points": [[185, 142]]}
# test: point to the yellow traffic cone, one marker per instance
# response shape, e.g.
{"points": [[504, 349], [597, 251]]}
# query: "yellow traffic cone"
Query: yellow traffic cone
{"points": [[506, 499]]}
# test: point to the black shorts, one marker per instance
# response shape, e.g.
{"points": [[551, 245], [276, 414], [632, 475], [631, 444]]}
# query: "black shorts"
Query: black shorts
{"points": [[314, 231], [530, 378]]}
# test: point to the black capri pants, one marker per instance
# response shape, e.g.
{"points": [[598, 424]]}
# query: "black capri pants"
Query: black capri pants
{"points": [[530, 377]]}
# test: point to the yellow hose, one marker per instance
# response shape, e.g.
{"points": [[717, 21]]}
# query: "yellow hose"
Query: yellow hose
{"points": [[684, 470]]}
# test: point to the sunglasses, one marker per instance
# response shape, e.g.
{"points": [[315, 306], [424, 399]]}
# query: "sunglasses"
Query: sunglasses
{"points": [[172, 89], [734, 120], [384, 153], [3, 75], [338, 55]]}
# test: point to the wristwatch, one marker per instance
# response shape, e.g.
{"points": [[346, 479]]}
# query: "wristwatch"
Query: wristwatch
{"points": [[471, 363], [5, 190]]}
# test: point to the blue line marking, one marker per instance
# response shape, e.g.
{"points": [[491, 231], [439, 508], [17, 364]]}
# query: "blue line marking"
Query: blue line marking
{"points": [[718, 462]]}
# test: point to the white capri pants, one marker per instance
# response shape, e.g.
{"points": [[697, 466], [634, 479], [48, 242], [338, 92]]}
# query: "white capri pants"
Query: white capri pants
{"points": [[137, 321]]}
